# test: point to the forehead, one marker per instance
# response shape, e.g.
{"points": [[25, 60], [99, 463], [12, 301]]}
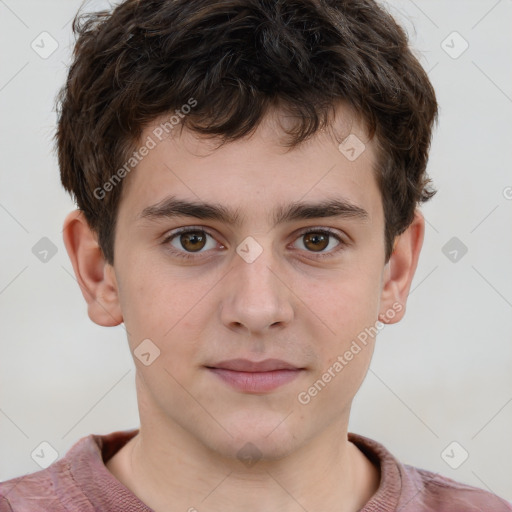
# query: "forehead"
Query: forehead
{"points": [[257, 172]]}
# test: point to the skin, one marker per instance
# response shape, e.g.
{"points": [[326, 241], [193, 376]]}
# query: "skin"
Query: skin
{"points": [[288, 304]]}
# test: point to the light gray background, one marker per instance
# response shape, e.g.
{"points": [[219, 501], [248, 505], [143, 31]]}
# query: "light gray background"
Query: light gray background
{"points": [[441, 375]]}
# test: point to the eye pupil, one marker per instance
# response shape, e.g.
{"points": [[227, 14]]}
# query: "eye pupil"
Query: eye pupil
{"points": [[193, 241], [319, 241]]}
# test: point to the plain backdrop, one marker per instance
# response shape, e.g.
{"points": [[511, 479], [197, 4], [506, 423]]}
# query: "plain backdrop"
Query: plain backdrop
{"points": [[439, 388]]}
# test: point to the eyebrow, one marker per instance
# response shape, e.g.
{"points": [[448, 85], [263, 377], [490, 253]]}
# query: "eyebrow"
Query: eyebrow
{"points": [[328, 208], [171, 207]]}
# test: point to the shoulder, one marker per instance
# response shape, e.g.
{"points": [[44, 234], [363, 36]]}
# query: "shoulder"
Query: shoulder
{"points": [[52, 489], [24, 493], [440, 493], [412, 489], [70, 483]]}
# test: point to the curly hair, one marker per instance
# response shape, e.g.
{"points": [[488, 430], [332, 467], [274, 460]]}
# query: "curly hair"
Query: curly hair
{"points": [[239, 59]]}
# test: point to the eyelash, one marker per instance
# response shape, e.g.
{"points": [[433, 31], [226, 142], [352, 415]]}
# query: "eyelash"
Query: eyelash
{"points": [[190, 255], [184, 254], [324, 231]]}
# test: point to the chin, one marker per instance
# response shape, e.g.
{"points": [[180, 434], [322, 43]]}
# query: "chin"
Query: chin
{"points": [[259, 439], [250, 450]]}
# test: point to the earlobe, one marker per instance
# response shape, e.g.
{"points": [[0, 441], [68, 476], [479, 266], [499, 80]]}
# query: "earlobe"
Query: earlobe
{"points": [[95, 276], [400, 269]]}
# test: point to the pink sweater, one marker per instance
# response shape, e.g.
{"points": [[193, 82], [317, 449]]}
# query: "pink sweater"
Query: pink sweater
{"points": [[80, 482]]}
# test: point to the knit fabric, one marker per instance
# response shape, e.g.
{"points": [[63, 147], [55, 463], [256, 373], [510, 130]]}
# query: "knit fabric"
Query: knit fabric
{"points": [[80, 482]]}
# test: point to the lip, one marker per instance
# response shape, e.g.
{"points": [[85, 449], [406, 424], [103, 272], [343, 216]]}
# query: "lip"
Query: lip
{"points": [[246, 365], [255, 376]]}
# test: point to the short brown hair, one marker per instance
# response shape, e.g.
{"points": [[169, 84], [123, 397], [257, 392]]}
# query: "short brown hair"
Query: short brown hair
{"points": [[238, 59]]}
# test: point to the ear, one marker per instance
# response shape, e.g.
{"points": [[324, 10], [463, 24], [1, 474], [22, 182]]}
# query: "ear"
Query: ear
{"points": [[95, 276], [400, 269]]}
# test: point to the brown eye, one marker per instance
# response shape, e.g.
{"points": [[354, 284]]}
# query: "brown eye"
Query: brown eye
{"points": [[316, 241], [193, 241], [320, 241]]}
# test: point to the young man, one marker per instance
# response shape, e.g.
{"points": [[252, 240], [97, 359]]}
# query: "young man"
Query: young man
{"points": [[248, 175]]}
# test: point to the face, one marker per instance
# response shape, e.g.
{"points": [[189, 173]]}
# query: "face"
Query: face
{"points": [[231, 254]]}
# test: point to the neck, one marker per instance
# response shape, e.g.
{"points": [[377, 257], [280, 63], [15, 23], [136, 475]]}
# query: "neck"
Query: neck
{"points": [[168, 470]]}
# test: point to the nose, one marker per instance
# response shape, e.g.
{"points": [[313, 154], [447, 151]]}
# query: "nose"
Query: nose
{"points": [[257, 297]]}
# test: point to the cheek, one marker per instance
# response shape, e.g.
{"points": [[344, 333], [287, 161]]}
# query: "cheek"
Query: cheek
{"points": [[154, 295], [168, 310], [346, 347], [345, 304]]}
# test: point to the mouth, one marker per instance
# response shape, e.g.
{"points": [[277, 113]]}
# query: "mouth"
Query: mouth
{"points": [[255, 376]]}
